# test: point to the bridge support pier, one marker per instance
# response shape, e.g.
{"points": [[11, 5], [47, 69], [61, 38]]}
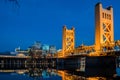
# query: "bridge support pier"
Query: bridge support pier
{"points": [[101, 65]]}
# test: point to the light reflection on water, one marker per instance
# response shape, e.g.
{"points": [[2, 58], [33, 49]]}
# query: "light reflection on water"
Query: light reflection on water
{"points": [[50, 73]]}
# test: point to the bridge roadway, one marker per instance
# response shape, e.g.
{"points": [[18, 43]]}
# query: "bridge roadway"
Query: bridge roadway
{"points": [[82, 54], [8, 56], [106, 56], [91, 54], [8, 59]]}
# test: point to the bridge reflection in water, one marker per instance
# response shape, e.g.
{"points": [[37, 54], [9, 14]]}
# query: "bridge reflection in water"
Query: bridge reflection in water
{"points": [[61, 72]]}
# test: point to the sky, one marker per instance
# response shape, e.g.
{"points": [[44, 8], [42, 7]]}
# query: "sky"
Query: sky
{"points": [[42, 20]]}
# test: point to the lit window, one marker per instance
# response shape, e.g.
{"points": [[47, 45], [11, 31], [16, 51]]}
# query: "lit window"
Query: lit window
{"points": [[107, 16], [103, 15], [110, 17]]}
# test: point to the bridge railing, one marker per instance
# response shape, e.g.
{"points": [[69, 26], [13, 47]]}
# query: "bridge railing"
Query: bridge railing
{"points": [[8, 56]]}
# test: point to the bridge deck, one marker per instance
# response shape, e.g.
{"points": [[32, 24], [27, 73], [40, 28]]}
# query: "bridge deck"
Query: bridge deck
{"points": [[8, 56]]}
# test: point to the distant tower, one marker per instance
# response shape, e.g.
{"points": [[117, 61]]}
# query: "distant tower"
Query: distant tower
{"points": [[68, 41], [104, 26]]}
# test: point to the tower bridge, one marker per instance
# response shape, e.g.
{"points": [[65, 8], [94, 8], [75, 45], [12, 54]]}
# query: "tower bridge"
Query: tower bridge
{"points": [[101, 54], [104, 37], [104, 46]]}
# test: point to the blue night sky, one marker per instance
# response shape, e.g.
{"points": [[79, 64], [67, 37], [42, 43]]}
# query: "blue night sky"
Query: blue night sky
{"points": [[42, 20]]}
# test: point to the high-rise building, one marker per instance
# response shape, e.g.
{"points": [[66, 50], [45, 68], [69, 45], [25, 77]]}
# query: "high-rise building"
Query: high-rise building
{"points": [[37, 45], [52, 49], [45, 49]]}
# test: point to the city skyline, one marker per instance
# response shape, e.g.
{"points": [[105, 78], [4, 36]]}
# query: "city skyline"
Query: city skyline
{"points": [[43, 21]]}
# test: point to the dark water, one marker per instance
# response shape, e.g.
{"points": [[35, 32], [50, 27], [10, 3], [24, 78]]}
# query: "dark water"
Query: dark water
{"points": [[33, 72]]}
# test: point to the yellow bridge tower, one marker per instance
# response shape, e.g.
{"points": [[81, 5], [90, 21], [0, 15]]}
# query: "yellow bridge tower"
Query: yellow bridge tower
{"points": [[104, 35], [68, 41]]}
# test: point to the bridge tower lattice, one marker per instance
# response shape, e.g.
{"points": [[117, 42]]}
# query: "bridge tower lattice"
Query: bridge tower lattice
{"points": [[104, 34], [68, 41]]}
